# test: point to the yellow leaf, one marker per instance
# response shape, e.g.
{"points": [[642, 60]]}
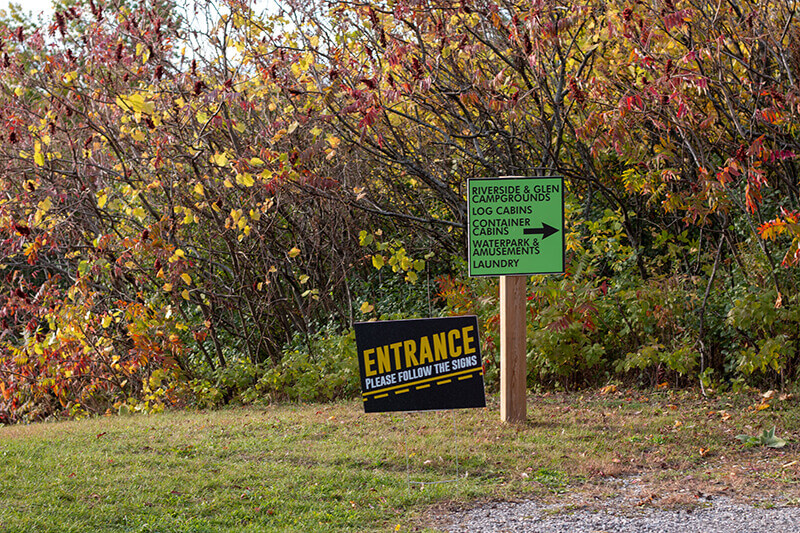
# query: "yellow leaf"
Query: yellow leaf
{"points": [[366, 307], [45, 205], [256, 162], [137, 135], [101, 200], [294, 125], [303, 279], [221, 160], [187, 279], [608, 389], [38, 156], [136, 103], [199, 189], [168, 287], [185, 294], [378, 261], [245, 179], [294, 252]]}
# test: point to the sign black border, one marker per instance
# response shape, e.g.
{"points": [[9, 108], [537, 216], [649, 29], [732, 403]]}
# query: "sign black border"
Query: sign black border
{"points": [[461, 394]]}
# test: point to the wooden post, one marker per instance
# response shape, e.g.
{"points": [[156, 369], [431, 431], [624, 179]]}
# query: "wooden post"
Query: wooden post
{"points": [[513, 360]]}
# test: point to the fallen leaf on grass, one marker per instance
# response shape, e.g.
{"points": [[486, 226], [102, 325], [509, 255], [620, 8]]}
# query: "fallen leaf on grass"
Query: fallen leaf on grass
{"points": [[648, 499], [761, 406]]}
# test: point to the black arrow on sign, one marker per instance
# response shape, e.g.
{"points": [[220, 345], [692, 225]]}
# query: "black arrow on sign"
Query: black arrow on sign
{"points": [[545, 231]]}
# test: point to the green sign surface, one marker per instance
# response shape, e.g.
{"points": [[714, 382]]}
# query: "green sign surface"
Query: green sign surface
{"points": [[516, 226]]}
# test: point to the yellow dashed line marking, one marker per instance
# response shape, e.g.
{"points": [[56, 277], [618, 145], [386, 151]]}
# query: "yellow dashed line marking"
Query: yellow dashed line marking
{"points": [[422, 384]]}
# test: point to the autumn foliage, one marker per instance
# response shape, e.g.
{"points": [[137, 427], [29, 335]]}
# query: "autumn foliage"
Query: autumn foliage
{"points": [[188, 190]]}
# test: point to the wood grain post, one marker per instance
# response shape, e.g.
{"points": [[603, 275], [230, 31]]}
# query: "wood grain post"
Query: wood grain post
{"points": [[513, 360]]}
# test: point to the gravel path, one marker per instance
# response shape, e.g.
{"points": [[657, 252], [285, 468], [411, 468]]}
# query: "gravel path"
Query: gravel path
{"points": [[625, 513], [721, 516]]}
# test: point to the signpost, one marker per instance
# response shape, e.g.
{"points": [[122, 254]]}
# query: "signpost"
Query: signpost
{"points": [[515, 229]]}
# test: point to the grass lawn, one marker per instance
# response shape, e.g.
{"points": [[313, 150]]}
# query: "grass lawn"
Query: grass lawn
{"points": [[333, 468]]}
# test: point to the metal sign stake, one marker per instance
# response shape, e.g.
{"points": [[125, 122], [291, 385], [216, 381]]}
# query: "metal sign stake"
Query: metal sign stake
{"points": [[422, 484]]}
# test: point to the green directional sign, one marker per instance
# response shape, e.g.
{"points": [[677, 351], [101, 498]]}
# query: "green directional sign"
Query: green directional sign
{"points": [[516, 226]]}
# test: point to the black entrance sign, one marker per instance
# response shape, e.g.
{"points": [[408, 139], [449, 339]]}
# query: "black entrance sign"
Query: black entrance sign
{"points": [[420, 365]]}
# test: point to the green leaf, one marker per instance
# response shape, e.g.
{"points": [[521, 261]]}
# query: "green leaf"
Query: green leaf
{"points": [[364, 238], [767, 438]]}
